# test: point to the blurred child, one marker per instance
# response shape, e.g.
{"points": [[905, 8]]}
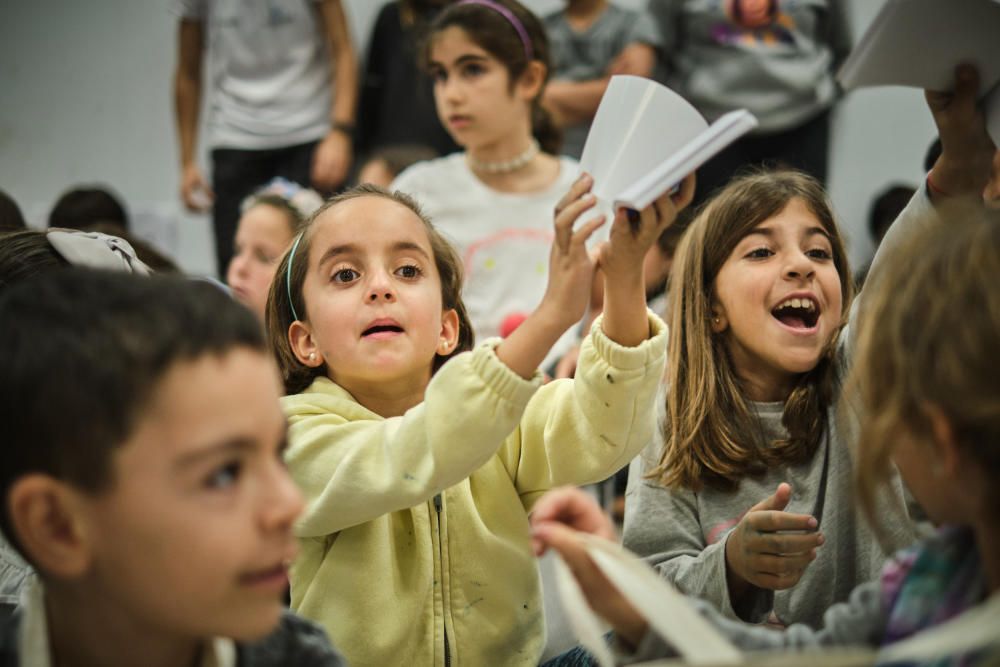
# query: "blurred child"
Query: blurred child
{"points": [[11, 218], [421, 456], [926, 374], [490, 62], [155, 507], [270, 219], [84, 207]]}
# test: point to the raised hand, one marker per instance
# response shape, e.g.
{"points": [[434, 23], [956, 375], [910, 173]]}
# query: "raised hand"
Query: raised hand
{"points": [[771, 548], [966, 149]]}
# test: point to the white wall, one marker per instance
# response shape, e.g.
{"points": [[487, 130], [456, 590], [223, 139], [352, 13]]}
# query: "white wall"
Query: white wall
{"points": [[85, 97]]}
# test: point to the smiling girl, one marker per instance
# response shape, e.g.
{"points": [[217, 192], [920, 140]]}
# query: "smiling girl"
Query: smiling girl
{"points": [[490, 61], [747, 502]]}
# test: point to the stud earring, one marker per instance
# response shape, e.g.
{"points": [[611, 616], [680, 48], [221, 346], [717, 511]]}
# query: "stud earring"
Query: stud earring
{"points": [[312, 356]]}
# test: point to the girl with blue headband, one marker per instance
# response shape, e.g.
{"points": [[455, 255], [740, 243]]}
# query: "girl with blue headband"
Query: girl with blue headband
{"points": [[421, 455]]}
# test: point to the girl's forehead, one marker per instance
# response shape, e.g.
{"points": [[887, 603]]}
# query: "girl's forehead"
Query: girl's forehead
{"points": [[368, 221], [453, 43]]}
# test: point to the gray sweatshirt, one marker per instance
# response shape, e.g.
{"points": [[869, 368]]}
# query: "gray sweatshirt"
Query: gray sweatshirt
{"points": [[683, 533]]}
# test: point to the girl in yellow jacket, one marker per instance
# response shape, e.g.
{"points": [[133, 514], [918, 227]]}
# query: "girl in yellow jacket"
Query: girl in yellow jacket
{"points": [[421, 456]]}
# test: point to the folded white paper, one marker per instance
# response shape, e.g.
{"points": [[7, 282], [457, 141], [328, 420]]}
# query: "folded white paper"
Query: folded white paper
{"points": [[646, 138], [698, 642], [919, 43]]}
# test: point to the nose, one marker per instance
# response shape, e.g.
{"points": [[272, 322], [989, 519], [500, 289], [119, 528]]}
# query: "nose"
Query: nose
{"points": [[381, 288], [799, 265], [283, 502], [237, 267], [449, 88]]}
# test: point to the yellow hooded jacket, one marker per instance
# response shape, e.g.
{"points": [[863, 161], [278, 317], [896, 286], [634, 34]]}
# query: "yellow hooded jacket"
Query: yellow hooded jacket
{"points": [[415, 543]]}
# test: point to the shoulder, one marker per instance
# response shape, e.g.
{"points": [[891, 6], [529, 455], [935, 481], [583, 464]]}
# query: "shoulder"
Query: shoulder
{"points": [[296, 641], [423, 175], [323, 397]]}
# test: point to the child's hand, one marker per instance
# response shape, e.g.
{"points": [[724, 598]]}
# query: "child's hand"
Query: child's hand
{"points": [[632, 233], [770, 548], [554, 521], [966, 149], [571, 267]]}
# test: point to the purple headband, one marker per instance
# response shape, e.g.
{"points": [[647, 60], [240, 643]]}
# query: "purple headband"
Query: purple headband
{"points": [[511, 18]]}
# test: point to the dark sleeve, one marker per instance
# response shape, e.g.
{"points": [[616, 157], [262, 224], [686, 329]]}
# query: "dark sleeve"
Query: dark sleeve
{"points": [[296, 641], [373, 78]]}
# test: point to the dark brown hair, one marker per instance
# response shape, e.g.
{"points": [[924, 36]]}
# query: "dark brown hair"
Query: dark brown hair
{"points": [[711, 434], [278, 315], [497, 36]]}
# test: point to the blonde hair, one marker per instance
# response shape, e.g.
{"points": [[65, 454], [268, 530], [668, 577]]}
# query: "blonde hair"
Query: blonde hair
{"points": [[285, 299], [711, 435], [929, 326]]}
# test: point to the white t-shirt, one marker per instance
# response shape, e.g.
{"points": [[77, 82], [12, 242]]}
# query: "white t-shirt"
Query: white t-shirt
{"points": [[268, 71], [503, 238]]}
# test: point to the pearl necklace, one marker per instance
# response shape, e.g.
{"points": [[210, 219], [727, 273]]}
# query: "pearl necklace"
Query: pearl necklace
{"points": [[504, 166]]}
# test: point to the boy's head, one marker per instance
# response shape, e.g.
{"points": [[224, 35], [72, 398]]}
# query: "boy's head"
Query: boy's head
{"points": [[142, 450], [83, 207]]}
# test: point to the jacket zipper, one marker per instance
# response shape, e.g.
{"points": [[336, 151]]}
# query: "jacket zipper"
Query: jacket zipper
{"points": [[437, 509]]}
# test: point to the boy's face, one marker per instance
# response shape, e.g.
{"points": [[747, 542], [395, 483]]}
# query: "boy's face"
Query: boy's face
{"points": [[194, 536]]}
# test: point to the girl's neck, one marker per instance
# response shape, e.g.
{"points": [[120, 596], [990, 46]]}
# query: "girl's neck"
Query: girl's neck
{"points": [[388, 399], [86, 631]]}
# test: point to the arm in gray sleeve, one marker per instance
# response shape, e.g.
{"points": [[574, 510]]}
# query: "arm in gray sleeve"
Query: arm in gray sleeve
{"points": [[663, 526], [858, 623]]}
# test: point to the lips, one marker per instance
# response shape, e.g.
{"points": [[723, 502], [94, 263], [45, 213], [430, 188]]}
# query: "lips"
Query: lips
{"points": [[382, 328], [459, 121], [799, 312], [274, 578]]}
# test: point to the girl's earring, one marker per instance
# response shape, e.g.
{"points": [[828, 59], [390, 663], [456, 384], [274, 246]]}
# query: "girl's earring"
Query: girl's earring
{"points": [[312, 356]]}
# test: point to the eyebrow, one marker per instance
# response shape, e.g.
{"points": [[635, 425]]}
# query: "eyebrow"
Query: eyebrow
{"points": [[350, 249], [461, 60], [237, 445], [768, 232]]}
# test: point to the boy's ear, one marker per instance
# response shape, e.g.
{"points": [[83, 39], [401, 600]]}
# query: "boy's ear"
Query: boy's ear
{"points": [[303, 345], [448, 340], [532, 80], [49, 521]]}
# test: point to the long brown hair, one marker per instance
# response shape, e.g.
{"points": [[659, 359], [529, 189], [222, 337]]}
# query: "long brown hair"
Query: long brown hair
{"points": [[285, 299], [497, 36], [928, 336], [711, 435]]}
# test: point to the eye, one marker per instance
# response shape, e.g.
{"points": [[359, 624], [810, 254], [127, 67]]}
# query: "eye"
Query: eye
{"points": [[225, 476], [262, 257], [344, 276], [820, 253], [759, 253], [409, 271], [438, 75], [472, 70]]}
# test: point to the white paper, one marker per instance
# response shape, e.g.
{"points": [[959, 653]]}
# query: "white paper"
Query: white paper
{"points": [[645, 138], [918, 43]]}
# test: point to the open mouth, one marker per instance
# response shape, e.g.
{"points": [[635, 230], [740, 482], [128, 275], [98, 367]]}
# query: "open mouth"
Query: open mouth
{"points": [[797, 313], [382, 329]]}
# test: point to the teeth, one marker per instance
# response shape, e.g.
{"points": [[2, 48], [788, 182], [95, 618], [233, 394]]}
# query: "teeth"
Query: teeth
{"points": [[807, 304]]}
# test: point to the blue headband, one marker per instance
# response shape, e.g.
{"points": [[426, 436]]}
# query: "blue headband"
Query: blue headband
{"points": [[288, 275]]}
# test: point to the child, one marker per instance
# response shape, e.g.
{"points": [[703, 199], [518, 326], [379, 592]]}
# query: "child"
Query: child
{"points": [[752, 452], [270, 219], [926, 372], [490, 60], [591, 41], [154, 506], [927, 379], [421, 458]]}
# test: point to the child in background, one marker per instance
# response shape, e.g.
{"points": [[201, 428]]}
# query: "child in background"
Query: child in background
{"points": [[490, 61], [155, 508], [270, 219], [591, 41], [422, 457], [925, 373]]}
